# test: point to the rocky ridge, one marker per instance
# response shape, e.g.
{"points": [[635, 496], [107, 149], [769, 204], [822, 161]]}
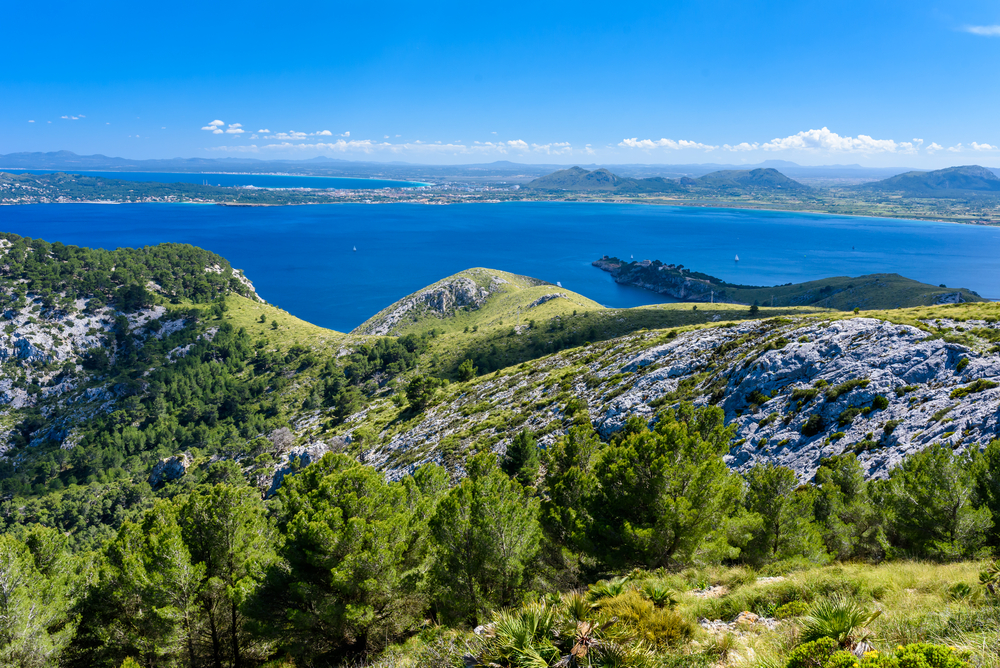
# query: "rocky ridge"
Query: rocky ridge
{"points": [[797, 391]]}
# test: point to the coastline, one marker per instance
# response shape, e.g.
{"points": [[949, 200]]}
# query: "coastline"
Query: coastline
{"points": [[672, 203]]}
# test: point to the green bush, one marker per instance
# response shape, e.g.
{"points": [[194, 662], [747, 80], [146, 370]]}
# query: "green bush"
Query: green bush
{"points": [[791, 609], [661, 627], [972, 388], [813, 654], [813, 425]]}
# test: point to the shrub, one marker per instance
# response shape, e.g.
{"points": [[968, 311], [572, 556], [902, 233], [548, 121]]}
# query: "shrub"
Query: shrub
{"points": [[837, 390], [979, 386], [926, 655], [904, 389], [890, 426], [791, 609], [880, 403], [658, 626], [813, 425], [813, 654], [962, 363]]}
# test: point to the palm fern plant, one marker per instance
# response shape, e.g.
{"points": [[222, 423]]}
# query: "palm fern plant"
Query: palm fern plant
{"points": [[840, 618], [607, 588]]}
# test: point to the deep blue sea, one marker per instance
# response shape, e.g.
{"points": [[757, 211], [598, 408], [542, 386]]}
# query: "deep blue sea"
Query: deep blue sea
{"points": [[300, 257], [259, 180]]}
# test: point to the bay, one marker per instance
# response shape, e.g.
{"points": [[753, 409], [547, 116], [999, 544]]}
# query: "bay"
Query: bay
{"points": [[301, 259], [258, 180]]}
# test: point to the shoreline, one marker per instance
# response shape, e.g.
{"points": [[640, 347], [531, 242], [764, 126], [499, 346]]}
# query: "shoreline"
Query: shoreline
{"points": [[679, 204]]}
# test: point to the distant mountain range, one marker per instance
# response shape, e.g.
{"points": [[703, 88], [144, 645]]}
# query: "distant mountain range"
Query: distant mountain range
{"points": [[506, 170], [602, 180], [953, 181]]}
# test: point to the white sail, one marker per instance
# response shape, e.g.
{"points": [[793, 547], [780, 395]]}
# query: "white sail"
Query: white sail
{"points": [[737, 258]]}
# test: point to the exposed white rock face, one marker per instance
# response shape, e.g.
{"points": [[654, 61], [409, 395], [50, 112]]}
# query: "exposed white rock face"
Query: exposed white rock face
{"points": [[169, 469], [440, 300], [900, 399], [547, 298]]}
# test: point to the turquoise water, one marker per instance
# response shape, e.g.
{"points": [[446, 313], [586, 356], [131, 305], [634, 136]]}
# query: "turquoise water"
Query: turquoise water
{"points": [[300, 257], [259, 180]]}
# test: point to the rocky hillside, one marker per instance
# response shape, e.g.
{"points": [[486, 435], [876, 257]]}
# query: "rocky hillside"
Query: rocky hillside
{"points": [[129, 370], [797, 389]]}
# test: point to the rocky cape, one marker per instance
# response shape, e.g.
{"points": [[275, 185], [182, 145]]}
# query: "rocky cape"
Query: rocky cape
{"points": [[839, 292]]}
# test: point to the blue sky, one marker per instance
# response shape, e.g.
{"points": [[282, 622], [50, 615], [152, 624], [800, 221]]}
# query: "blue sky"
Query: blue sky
{"points": [[875, 83]]}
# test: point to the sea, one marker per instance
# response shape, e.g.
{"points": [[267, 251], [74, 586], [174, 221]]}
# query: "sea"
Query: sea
{"points": [[303, 258], [256, 180]]}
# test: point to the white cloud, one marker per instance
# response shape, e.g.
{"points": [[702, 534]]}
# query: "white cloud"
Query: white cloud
{"points": [[934, 147], [290, 135], [264, 132], [216, 123], [236, 125], [348, 134], [323, 133], [385, 137], [983, 31], [291, 142], [71, 118], [742, 146], [983, 147], [214, 127], [957, 148], [671, 144], [252, 148], [31, 121], [825, 140], [234, 131], [555, 148], [82, 116], [588, 150]]}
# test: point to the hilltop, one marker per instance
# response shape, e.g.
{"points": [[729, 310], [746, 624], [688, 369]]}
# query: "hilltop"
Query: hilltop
{"points": [[765, 179], [949, 182], [872, 291], [600, 180]]}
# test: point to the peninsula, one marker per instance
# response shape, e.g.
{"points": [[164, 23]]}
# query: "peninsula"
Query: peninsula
{"points": [[843, 293]]}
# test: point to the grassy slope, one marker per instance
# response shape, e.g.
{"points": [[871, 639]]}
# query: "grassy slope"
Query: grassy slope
{"points": [[915, 601], [873, 291], [504, 322]]}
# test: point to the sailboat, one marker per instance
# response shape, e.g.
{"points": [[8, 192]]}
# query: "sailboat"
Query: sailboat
{"points": [[737, 258], [355, 249]]}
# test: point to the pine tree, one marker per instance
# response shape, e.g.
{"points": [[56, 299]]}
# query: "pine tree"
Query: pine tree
{"points": [[663, 491], [486, 534], [521, 460], [227, 531], [787, 529], [347, 533]]}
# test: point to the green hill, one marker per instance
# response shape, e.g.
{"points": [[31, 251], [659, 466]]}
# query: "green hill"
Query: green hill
{"points": [[845, 293], [602, 180], [758, 179], [952, 181]]}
